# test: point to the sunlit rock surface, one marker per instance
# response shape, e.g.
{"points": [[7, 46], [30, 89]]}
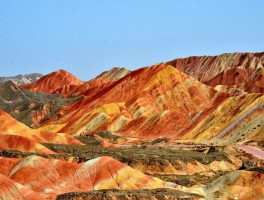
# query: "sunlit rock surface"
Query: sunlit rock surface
{"points": [[191, 128], [17, 136]]}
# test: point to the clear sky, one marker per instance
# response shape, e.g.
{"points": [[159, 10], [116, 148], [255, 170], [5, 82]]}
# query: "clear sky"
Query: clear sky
{"points": [[86, 37]]}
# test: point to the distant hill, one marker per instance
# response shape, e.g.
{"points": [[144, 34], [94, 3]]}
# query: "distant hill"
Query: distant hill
{"points": [[56, 81], [232, 72], [22, 79], [28, 107]]}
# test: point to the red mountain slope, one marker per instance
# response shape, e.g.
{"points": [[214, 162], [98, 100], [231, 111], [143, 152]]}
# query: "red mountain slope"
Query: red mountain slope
{"points": [[241, 69], [139, 103], [16, 136], [156, 105], [50, 177], [54, 82], [249, 80], [65, 83], [160, 101]]}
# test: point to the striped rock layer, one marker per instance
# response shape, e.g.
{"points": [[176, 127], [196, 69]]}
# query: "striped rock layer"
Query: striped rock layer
{"points": [[16, 136], [210, 98], [238, 70], [49, 177], [160, 101]]}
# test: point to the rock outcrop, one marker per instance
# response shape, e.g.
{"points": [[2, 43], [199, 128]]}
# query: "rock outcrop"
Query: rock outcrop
{"points": [[114, 73]]}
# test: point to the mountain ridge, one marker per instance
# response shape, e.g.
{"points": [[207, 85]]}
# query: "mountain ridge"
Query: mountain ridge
{"points": [[22, 79], [190, 128]]}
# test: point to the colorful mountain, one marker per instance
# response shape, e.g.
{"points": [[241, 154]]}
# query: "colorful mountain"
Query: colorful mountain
{"points": [[16, 136], [50, 177], [162, 101], [55, 82], [29, 107], [240, 70], [189, 128]]}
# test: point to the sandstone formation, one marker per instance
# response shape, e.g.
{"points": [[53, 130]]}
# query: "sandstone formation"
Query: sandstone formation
{"points": [[29, 107], [50, 177], [191, 128], [16, 136], [114, 73], [54, 81], [240, 70], [237, 185], [162, 101]]}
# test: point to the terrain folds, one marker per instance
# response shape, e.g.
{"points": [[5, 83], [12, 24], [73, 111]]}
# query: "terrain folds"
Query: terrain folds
{"points": [[191, 128]]}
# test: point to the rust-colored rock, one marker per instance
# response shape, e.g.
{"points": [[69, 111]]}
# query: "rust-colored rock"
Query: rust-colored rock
{"points": [[59, 80], [50, 177], [240, 69], [29, 107], [16, 136], [160, 100], [139, 103], [250, 80], [213, 105]]}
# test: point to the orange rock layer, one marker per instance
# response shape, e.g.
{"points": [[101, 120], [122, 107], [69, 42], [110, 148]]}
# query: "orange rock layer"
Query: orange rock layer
{"points": [[49, 177], [242, 70], [147, 103], [65, 83], [160, 101], [205, 68], [53, 82], [17, 136]]}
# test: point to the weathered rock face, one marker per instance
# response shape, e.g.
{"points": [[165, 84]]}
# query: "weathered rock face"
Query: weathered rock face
{"points": [[114, 73], [17, 136], [196, 132], [241, 70], [237, 185], [248, 79], [64, 83], [238, 118], [137, 104], [22, 79], [161, 101], [29, 107], [12, 190], [56, 177], [53, 82], [147, 103], [204, 68]]}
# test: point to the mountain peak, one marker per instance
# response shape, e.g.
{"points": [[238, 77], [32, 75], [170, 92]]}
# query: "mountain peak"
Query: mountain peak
{"points": [[53, 81]]}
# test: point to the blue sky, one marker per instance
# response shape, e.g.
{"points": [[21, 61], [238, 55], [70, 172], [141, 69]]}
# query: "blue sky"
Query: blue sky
{"points": [[86, 37]]}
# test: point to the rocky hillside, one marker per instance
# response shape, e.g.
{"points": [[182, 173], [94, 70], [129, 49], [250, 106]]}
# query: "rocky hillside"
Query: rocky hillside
{"points": [[22, 79], [29, 107], [191, 128], [235, 70]]}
